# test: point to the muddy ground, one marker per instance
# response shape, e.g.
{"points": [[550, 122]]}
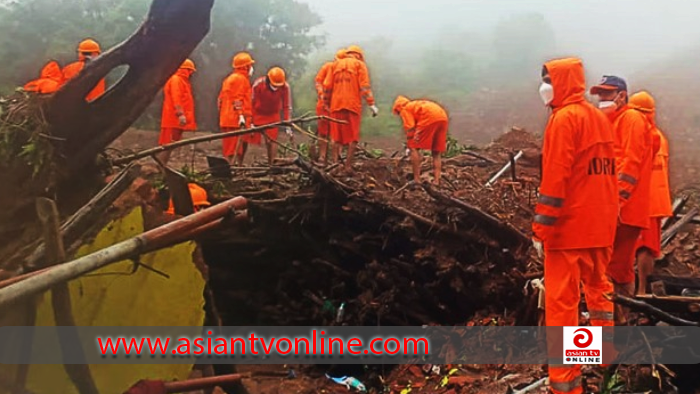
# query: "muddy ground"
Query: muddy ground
{"points": [[243, 298]]}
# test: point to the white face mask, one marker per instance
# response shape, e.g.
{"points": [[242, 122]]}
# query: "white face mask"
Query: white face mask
{"points": [[250, 73], [546, 93], [606, 105]]}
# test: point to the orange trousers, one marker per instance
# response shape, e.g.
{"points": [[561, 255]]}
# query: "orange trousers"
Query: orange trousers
{"points": [[564, 271], [230, 144], [621, 267]]}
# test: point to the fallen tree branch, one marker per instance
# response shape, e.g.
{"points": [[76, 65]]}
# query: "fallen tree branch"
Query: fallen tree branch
{"points": [[678, 205], [495, 227], [217, 136], [160, 237], [642, 306], [61, 303]]}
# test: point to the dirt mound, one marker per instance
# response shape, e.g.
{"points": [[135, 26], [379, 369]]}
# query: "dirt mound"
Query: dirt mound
{"points": [[516, 138]]}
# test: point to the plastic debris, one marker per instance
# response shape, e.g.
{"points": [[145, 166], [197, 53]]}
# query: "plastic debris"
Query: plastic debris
{"points": [[341, 313], [349, 382], [436, 369]]}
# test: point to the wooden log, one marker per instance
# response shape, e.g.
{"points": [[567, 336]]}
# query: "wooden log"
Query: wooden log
{"points": [[157, 238], [642, 306], [79, 374], [202, 383]]}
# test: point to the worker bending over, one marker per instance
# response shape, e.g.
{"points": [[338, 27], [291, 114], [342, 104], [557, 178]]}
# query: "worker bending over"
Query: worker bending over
{"points": [[344, 89], [88, 50], [576, 213], [634, 154], [272, 102], [235, 106], [178, 108], [425, 124], [660, 206]]}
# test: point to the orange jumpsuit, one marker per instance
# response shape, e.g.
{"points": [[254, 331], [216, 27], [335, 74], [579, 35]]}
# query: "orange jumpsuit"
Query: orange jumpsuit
{"points": [[324, 127], [72, 70], [660, 205], [425, 123], [634, 154], [235, 100], [49, 80], [575, 215], [269, 106], [345, 85], [177, 100]]}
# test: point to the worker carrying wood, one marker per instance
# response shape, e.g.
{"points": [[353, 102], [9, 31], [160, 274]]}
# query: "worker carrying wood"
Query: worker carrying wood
{"points": [[272, 103], [660, 206], [88, 50], [634, 155], [576, 213], [199, 199], [236, 107], [178, 108], [425, 124], [324, 126], [344, 87]]}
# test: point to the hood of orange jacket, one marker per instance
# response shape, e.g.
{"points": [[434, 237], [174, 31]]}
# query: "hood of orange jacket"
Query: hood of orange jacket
{"points": [[52, 71], [568, 81]]}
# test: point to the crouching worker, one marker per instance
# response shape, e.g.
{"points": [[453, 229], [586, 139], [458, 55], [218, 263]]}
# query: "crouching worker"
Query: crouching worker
{"points": [[425, 124], [199, 199]]}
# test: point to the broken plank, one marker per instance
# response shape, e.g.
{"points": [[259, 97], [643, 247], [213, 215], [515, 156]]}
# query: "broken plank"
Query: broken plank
{"points": [[668, 235]]}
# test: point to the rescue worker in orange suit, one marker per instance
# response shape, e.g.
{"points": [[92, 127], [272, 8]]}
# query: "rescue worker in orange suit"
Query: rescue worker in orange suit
{"points": [[649, 242], [634, 154], [344, 88], [235, 106], [49, 80], [574, 224], [324, 127], [272, 102], [178, 108], [88, 50], [199, 199], [425, 124]]}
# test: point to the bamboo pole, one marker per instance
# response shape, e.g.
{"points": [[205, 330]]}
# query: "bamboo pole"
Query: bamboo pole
{"points": [[218, 136], [124, 250], [79, 374]]}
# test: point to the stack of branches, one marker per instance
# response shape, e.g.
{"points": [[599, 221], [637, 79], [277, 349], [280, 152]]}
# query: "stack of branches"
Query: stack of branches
{"points": [[394, 255]]}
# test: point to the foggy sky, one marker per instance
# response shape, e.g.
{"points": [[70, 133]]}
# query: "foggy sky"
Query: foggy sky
{"points": [[619, 36]]}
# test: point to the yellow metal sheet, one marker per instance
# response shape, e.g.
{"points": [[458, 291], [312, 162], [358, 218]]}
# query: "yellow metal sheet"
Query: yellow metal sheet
{"points": [[113, 296]]}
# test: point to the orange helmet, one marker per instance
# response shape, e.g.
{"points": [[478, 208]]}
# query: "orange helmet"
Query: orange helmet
{"points": [[199, 198], [357, 50], [643, 101], [89, 46], [276, 77], [341, 54], [242, 59], [188, 65], [199, 195], [399, 103]]}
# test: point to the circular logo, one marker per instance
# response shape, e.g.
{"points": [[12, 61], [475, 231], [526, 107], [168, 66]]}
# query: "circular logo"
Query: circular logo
{"points": [[582, 340], [568, 359]]}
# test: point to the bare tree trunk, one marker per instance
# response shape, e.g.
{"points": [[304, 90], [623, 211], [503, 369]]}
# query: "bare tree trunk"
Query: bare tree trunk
{"points": [[153, 53], [80, 131]]}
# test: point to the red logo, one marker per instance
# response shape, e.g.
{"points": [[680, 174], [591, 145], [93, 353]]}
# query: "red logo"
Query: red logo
{"points": [[580, 338]]}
